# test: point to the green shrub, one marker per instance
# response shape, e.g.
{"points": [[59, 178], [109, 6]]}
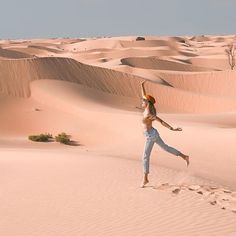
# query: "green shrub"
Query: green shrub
{"points": [[40, 138], [63, 138]]}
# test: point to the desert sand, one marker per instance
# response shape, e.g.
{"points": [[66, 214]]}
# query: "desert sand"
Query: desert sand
{"points": [[90, 89]]}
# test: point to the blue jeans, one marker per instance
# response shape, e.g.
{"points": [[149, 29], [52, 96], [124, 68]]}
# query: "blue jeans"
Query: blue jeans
{"points": [[152, 136]]}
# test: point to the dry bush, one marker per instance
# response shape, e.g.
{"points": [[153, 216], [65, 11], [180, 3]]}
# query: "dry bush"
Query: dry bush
{"points": [[231, 55], [63, 138], [40, 138]]}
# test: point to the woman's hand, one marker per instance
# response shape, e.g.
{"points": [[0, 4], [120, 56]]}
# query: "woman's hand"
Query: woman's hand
{"points": [[177, 129], [143, 82]]}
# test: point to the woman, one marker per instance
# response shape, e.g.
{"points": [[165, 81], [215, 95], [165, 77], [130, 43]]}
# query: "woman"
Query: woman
{"points": [[152, 135]]}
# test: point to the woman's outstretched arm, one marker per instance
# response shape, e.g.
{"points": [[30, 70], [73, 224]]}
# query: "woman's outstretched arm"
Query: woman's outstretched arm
{"points": [[143, 89], [165, 124]]}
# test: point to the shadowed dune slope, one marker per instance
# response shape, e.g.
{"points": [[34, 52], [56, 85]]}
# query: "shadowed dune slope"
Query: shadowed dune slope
{"points": [[11, 54], [215, 83], [158, 64], [15, 76]]}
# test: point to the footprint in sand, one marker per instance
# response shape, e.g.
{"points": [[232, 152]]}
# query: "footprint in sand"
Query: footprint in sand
{"points": [[213, 202], [194, 187], [176, 190], [224, 198], [166, 186], [162, 186], [218, 196]]}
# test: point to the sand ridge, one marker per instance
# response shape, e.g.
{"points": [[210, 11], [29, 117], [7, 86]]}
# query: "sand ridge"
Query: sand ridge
{"points": [[90, 89]]}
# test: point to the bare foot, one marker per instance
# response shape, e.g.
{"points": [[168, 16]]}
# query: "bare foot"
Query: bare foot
{"points": [[145, 181], [186, 158]]}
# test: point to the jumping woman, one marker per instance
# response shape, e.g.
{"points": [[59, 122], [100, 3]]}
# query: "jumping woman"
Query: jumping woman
{"points": [[152, 135]]}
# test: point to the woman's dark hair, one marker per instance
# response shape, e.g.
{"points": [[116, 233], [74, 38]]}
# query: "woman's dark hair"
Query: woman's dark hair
{"points": [[151, 108]]}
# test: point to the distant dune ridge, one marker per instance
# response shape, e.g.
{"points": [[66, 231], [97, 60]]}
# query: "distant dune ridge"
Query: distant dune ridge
{"points": [[55, 61], [90, 89]]}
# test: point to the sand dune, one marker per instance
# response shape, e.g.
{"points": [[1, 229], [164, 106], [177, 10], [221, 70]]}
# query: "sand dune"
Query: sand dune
{"points": [[94, 44], [15, 81], [121, 53], [90, 89], [46, 48], [8, 54], [35, 52], [150, 43], [105, 80], [213, 62], [220, 83], [112, 43], [200, 38], [157, 64], [70, 205], [150, 74]]}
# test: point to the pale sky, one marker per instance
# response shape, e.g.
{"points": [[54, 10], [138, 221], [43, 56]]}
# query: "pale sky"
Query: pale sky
{"points": [[25, 19]]}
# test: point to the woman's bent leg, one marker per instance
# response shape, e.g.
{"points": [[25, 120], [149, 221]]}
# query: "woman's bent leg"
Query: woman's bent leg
{"points": [[146, 154], [167, 148]]}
